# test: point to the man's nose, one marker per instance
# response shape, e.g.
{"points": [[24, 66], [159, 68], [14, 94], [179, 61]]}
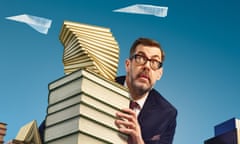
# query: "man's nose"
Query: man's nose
{"points": [[147, 64]]}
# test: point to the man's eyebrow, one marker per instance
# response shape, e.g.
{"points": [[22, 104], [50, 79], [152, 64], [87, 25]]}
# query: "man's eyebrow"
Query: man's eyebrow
{"points": [[154, 56], [140, 52]]}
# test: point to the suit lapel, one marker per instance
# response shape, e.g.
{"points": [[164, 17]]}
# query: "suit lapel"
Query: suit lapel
{"points": [[150, 104]]}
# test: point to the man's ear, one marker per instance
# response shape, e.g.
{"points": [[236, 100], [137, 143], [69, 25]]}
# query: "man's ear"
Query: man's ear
{"points": [[160, 73], [127, 65]]}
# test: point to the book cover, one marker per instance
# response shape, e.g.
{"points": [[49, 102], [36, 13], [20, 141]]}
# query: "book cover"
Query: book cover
{"points": [[226, 126]]}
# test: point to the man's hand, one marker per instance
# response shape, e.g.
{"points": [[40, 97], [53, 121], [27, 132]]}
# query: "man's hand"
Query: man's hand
{"points": [[127, 123]]}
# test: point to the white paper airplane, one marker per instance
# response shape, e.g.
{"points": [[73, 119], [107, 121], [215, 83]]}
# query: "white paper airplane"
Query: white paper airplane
{"points": [[38, 23], [145, 9]]}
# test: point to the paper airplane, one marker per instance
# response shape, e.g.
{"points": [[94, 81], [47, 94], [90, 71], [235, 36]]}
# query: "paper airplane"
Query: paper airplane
{"points": [[145, 9], [38, 23]]}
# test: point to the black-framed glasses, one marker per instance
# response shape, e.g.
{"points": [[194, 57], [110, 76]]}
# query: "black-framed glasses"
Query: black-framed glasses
{"points": [[142, 60]]}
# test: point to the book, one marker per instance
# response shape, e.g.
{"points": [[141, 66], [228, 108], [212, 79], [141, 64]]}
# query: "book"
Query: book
{"points": [[69, 71], [78, 60], [226, 126], [83, 64], [29, 133]]}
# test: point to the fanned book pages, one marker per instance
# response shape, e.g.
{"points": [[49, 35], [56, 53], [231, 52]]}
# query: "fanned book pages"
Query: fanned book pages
{"points": [[97, 43]]}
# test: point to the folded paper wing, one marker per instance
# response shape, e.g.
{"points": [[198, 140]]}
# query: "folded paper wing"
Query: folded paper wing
{"points": [[158, 11], [40, 24]]}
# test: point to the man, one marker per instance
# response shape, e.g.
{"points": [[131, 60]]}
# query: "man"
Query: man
{"points": [[154, 120]]}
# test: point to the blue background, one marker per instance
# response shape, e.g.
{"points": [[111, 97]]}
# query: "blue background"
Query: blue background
{"points": [[201, 71]]}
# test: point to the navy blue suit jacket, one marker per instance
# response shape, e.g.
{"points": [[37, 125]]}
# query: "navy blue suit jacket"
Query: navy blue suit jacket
{"points": [[157, 118]]}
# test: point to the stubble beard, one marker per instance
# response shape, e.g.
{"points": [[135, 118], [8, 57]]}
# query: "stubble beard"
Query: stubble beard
{"points": [[141, 89]]}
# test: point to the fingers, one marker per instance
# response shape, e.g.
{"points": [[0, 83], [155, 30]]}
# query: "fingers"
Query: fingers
{"points": [[127, 114], [126, 127], [125, 124], [126, 121]]}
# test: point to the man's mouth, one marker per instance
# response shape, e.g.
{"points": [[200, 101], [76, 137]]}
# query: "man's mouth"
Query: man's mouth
{"points": [[144, 76]]}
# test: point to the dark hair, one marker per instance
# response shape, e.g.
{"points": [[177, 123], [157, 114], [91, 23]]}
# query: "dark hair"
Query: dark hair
{"points": [[146, 42]]}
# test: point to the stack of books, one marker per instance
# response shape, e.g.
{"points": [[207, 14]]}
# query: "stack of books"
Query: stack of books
{"points": [[82, 107], [3, 129], [91, 47]]}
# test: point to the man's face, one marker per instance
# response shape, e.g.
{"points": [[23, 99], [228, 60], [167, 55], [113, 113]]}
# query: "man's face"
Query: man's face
{"points": [[141, 77]]}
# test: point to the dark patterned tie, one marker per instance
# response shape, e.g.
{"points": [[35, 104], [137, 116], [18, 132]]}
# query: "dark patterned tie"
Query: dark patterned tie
{"points": [[134, 105]]}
